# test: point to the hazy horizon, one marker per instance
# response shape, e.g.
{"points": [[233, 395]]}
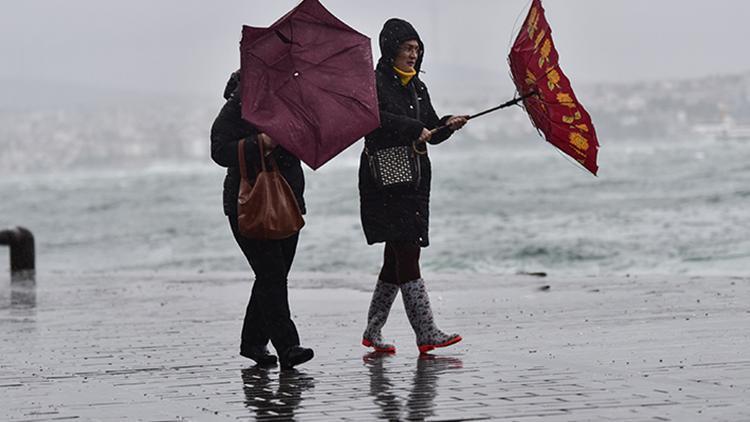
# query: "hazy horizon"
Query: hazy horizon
{"points": [[189, 47]]}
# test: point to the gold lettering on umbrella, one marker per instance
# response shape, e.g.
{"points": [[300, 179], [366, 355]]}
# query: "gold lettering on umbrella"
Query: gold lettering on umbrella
{"points": [[578, 141], [530, 78], [566, 100], [533, 22], [539, 39], [570, 119], [553, 79], [545, 52]]}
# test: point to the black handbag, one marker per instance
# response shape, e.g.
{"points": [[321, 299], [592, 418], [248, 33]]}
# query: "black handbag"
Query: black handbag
{"points": [[395, 166], [399, 165]]}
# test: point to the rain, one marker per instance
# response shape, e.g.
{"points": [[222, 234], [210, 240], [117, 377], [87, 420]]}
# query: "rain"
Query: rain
{"points": [[571, 291]]}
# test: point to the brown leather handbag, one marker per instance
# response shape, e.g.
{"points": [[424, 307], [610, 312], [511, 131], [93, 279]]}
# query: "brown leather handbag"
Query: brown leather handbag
{"points": [[266, 209]]}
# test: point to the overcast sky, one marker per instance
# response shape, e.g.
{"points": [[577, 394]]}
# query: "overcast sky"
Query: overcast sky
{"points": [[158, 46]]}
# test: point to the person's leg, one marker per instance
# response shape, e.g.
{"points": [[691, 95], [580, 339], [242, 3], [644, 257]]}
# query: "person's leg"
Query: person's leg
{"points": [[269, 305], [271, 269], [388, 272], [417, 301], [253, 332], [294, 354], [383, 296], [289, 249], [407, 261]]}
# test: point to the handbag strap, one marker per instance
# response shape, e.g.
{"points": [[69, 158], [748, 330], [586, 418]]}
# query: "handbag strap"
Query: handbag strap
{"points": [[415, 97], [243, 163], [241, 158], [262, 154]]}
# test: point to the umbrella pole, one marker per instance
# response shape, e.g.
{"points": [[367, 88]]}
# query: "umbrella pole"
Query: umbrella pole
{"points": [[504, 105], [512, 102]]}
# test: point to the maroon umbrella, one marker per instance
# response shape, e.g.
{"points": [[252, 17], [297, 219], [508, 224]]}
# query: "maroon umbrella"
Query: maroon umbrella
{"points": [[308, 82]]}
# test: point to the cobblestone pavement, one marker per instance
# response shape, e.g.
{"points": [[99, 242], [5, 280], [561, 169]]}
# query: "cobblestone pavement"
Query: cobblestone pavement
{"points": [[161, 347]]}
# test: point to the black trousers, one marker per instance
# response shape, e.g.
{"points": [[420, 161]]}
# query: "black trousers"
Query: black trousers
{"points": [[400, 262], [267, 315]]}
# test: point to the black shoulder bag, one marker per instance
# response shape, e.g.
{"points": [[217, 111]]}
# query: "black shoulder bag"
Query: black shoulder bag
{"points": [[396, 166]]}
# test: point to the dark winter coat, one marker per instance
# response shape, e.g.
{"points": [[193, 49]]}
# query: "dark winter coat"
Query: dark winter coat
{"points": [[398, 214], [228, 129]]}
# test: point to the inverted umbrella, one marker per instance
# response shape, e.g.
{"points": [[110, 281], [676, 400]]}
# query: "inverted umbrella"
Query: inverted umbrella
{"points": [[307, 81], [547, 95]]}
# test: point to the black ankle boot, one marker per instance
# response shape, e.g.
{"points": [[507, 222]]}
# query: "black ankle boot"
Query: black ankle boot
{"points": [[294, 356], [259, 354]]}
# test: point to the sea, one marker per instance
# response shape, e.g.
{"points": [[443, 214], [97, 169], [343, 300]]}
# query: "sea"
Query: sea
{"points": [[132, 188]]}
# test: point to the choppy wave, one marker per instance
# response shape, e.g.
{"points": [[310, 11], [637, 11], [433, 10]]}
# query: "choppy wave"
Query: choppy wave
{"points": [[498, 206]]}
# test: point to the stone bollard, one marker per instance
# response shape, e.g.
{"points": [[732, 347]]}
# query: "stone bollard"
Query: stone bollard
{"points": [[22, 258]]}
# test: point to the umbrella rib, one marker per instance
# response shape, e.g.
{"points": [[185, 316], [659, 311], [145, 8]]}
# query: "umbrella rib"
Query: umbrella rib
{"points": [[291, 31], [525, 66], [515, 23], [260, 59], [336, 54], [302, 109], [552, 103], [552, 122], [559, 150], [326, 89], [560, 126]]}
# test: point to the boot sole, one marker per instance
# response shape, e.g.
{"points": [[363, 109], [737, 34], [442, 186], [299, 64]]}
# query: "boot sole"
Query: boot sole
{"points": [[424, 348], [298, 361], [260, 359], [368, 343]]}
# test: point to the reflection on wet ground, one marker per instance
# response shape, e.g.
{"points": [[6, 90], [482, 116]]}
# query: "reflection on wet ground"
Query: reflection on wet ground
{"points": [[274, 399], [23, 293], [420, 403], [20, 293], [278, 395], [117, 346]]}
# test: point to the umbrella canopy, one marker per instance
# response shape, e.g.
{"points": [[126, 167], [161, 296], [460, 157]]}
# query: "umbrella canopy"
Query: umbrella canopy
{"points": [[308, 82], [554, 109]]}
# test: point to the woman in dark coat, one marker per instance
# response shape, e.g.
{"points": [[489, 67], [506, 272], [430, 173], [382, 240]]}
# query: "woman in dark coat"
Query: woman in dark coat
{"points": [[399, 216], [267, 315]]}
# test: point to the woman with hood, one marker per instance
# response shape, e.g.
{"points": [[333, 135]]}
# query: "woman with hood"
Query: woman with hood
{"points": [[267, 315], [399, 215]]}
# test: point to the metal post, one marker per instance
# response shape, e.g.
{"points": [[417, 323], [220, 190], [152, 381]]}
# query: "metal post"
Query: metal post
{"points": [[22, 257]]}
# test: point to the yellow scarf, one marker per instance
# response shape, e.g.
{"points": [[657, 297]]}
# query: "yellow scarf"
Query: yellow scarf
{"points": [[404, 76]]}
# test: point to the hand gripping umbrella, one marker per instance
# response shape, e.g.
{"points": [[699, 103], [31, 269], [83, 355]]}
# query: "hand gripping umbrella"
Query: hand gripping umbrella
{"points": [[546, 93], [307, 81]]}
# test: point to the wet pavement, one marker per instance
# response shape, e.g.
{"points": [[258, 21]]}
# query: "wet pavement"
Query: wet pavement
{"points": [[163, 347]]}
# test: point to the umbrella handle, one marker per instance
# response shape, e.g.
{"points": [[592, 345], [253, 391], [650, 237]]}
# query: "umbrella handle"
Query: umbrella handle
{"points": [[512, 102]]}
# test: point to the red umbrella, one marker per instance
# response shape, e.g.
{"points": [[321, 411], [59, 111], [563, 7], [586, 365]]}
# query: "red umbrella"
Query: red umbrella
{"points": [[549, 99], [546, 93], [307, 81]]}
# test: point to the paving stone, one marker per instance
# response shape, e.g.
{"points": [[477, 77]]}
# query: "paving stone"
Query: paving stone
{"points": [[155, 347]]}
